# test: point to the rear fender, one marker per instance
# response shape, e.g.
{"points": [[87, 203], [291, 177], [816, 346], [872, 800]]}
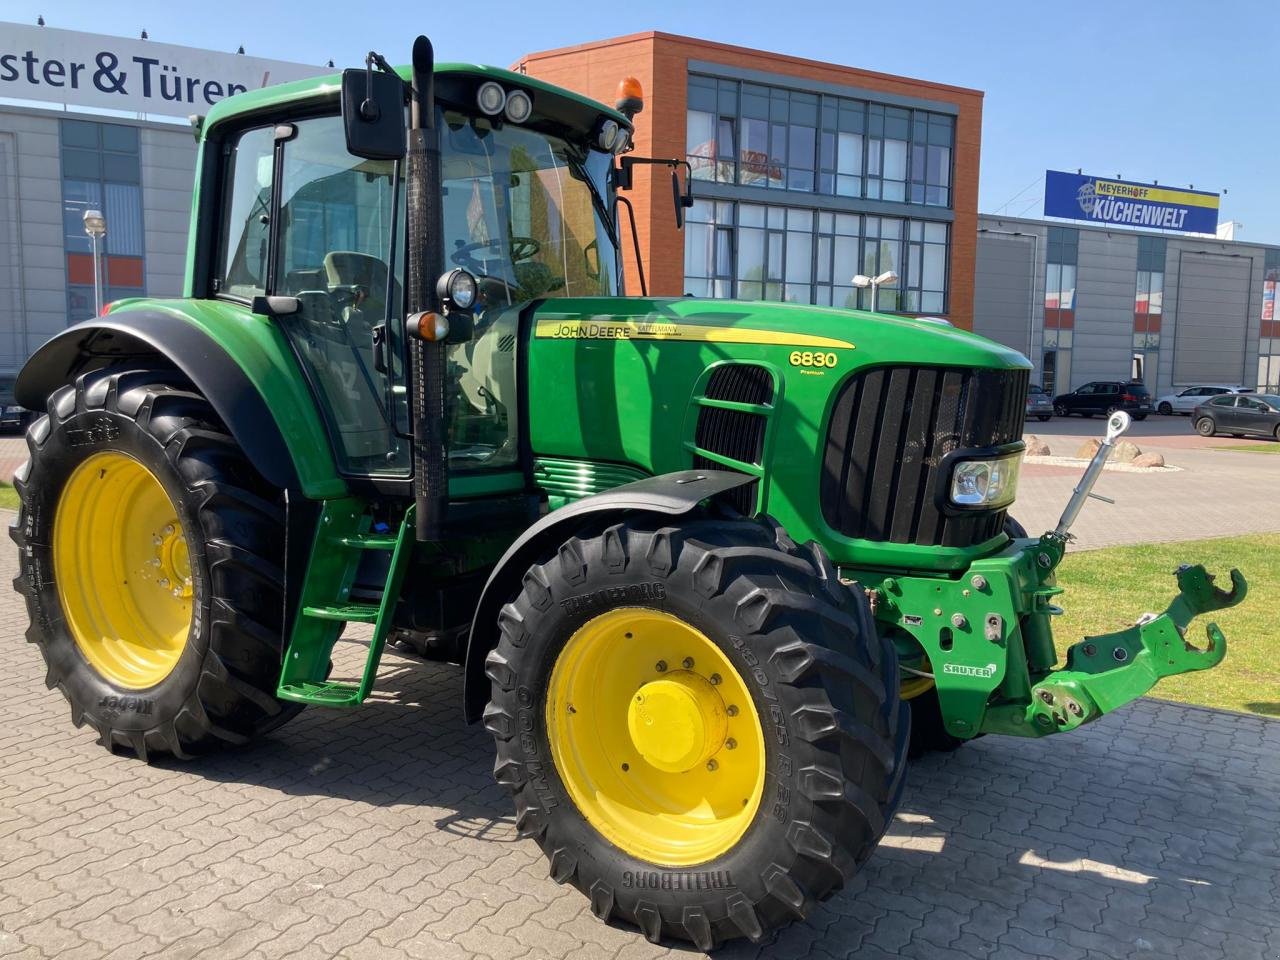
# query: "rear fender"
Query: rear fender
{"points": [[239, 361]]}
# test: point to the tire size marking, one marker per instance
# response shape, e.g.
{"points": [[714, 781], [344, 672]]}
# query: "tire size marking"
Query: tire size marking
{"points": [[777, 715], [613, 596], [698, 880], [99, 430]]}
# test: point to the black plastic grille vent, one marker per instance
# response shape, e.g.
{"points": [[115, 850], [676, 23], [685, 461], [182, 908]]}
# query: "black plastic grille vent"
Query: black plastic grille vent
{"points": [[741, 382], [735, 434], [890, 430]]}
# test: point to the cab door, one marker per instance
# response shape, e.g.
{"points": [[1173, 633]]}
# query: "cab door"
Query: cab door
{"points": [[308, 224]]}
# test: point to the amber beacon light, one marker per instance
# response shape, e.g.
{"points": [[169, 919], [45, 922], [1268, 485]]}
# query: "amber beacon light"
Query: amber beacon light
{"points": [[630, 97]]}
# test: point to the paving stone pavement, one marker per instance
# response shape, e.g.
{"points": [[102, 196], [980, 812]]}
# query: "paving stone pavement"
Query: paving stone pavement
{"points": [[380, 833]]}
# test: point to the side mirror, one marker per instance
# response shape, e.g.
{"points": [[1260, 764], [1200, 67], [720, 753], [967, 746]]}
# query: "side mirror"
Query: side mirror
{"points": [[373, 114]]}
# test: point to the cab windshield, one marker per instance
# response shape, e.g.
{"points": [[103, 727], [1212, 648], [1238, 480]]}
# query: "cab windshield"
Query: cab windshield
{"points": [[525, 212]]}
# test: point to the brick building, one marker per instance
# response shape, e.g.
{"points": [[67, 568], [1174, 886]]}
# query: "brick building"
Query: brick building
{"points": [[804, 173]]}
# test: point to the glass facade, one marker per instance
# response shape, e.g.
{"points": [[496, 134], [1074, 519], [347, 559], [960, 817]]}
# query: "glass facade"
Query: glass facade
{"points": [[818, 151], [101, 170], [1062, 256], [755, 135], [756, 251], [1148, 307]]}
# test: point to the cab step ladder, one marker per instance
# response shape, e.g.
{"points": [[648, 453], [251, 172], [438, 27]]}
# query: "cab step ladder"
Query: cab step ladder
{"points": [[344, 532]]}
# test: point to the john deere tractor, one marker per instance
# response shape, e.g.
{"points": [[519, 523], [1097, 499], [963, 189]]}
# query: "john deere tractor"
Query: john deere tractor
{"points": [[701, 562]]}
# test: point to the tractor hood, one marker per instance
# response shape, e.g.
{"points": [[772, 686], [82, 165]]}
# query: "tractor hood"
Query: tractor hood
{"points": [[876, 337]]}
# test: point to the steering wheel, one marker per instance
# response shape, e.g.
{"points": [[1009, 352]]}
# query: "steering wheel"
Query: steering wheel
{"points": [[522, 248]]}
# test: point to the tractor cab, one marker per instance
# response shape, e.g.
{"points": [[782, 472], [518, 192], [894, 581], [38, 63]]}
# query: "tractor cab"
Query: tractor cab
{"points": [[315, 235]]}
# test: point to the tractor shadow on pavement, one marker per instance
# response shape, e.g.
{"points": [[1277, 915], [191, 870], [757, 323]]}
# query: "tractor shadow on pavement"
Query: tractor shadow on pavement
{"points": [[1057, 848]]}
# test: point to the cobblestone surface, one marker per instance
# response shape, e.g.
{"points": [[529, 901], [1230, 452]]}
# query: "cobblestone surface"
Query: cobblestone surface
{"points": [[380, 833]]}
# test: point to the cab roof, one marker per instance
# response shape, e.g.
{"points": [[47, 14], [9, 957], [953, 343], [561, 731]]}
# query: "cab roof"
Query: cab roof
{"points": [[321, 88]]}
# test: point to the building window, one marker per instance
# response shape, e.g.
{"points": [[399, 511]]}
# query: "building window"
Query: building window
{"points": [[1062, 254], [776, 138], [1269, 345], [1148, 308], [755, 251], [101, 170], [711, 129], [708, 249]]}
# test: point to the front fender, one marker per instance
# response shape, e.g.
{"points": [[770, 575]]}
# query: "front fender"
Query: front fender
{"points": [[672, 494], [239, 361]]}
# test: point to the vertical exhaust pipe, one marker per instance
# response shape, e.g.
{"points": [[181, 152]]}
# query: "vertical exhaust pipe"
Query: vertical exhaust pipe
{"points": [[425, 223]]}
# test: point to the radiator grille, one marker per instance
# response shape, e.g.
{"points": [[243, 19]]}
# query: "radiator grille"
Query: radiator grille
{"points": [[890, 429], [743, 382]]}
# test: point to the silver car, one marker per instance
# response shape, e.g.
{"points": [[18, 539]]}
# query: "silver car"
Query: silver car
{"points": [[1187, 399], [1039, 403]]}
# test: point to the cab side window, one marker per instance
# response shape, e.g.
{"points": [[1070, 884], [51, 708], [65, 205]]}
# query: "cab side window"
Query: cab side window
{"points": [[246, 225]]}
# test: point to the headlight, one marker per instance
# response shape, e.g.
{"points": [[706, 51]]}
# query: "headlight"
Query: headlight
{"points": [[519, 106], [985, 483], [491, 97], [458, 288]]}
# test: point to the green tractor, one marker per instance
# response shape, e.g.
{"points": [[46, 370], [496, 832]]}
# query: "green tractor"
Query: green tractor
{"points": [[703, 563]]}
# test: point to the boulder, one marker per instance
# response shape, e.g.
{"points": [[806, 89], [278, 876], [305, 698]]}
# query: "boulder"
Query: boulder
{"points": [[1126, 451], [1088, 449], [1036, 447], [1149, 460]]}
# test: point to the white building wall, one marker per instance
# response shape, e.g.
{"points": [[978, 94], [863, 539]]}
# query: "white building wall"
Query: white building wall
{"points": [[30, 234], [33, 279]]}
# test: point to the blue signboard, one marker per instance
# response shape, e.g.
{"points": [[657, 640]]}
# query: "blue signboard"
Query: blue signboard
{"points": [[1123, 203]]}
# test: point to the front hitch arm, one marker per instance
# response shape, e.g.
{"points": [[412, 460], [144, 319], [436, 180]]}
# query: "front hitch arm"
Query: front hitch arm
{"points": [[1106, 672]]}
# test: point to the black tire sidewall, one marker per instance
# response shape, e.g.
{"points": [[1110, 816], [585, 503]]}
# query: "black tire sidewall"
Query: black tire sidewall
{"points": [[68, 444], [1200, 427]]}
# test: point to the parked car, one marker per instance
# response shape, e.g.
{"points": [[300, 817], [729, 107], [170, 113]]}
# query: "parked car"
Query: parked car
{"points": [[1185, 401], [1039, 403], [1104, 396], [1239, 414], [14, 417]]}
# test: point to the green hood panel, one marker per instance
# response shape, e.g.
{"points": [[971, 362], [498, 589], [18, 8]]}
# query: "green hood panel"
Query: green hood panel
{"points": [[620, 380]]}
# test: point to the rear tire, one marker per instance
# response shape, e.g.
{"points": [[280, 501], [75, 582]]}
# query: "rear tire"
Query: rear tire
{"points": [[1206, 427], [220, 690], [822, 682], [1043, 417]]}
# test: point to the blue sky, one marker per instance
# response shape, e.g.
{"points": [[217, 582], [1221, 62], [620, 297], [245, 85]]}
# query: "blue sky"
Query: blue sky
{"points": [[1180, 92]]}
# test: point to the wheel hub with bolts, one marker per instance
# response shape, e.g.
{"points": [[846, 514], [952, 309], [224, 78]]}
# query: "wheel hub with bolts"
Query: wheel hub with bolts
{"points": [[678, 723]]}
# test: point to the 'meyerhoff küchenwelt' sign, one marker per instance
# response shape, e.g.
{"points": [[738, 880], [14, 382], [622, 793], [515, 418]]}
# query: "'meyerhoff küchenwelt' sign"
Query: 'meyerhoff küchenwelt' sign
{"points": [[137, 76]]}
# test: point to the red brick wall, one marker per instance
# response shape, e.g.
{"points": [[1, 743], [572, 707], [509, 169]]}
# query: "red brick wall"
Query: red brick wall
{"points": [[660, 62]]}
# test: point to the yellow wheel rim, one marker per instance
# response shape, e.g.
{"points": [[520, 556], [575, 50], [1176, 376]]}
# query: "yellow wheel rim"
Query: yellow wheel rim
{"points": [[123, 570], [656, 737], [912, 686]]}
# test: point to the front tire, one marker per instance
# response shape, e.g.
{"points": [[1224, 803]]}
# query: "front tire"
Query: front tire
{"points": [[729, 842], [1165, 410], [1043, 417], [1060, 410], [150, 556]]}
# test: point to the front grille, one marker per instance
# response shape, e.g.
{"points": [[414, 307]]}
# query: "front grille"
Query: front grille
{"points": [[890, 429]]}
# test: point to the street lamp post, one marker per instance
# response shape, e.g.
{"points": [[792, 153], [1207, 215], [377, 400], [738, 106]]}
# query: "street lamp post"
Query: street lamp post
{"points": [[863, 281], [95, 225]]}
